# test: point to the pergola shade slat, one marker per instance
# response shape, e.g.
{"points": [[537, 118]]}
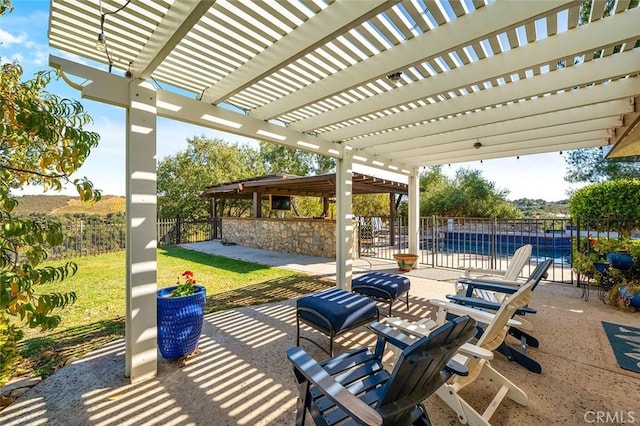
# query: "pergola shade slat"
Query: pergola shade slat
{"points": [[368, 74]]}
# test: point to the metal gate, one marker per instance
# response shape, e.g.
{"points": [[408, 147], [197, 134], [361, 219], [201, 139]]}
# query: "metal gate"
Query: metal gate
{"points": [[456, 242]]}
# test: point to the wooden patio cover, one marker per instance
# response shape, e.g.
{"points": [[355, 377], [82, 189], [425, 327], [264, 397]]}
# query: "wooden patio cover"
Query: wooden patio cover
{"points": [[312, 186]]}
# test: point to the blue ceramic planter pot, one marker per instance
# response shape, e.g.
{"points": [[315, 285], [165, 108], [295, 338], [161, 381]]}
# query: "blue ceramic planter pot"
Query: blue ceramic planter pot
{"points": [[620, 260], [634, 299], [179, 322]]}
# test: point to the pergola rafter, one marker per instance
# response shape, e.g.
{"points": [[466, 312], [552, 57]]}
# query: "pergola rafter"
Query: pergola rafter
{"points": [[321, 69]]}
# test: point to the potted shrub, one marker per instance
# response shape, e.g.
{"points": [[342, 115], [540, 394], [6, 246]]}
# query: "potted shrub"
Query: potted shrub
{"points": [[582, 260], [627, 261], [180, 317], [624, 295]]}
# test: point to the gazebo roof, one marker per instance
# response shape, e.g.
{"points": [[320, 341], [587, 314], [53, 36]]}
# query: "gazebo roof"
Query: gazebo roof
{"points": [[402, 84], [314, 186]]}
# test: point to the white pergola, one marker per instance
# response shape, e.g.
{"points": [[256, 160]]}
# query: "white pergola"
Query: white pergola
{"points": [[395, 85]]}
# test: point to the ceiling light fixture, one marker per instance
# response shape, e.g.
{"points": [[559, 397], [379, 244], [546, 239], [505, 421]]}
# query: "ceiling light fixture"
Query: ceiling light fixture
{"points": [[395, 76], [101, 44]]}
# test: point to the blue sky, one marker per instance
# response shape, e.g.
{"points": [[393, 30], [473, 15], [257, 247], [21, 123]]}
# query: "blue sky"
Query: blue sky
{"points": [[23, 37]]}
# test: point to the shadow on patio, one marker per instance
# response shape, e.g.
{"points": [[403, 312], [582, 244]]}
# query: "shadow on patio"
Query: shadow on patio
{"points": [[241, 375]]}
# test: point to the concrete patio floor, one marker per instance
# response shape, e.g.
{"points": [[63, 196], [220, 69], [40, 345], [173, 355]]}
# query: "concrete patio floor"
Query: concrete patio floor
{"points": [[241, 374]]}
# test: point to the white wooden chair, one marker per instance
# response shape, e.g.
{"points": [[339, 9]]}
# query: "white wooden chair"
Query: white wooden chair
{"points": [[476, 357], [519, 260]]}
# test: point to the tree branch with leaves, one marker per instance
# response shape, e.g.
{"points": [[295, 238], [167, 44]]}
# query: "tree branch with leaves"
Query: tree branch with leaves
{"points": [[42, 142]]}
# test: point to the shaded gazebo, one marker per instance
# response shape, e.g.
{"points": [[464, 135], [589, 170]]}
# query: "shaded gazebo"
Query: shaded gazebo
{"points": [[323, 186]]}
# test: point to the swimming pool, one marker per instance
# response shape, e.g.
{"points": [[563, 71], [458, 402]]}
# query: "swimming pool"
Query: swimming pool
{"points": [[545, 245]]}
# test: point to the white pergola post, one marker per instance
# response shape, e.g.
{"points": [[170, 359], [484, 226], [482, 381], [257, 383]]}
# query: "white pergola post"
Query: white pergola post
{"points": [[414, 212], [141, 263], [344, 220]]}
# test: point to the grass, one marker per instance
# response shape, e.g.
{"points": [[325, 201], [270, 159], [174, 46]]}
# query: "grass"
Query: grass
{"points": [[98, 315]]}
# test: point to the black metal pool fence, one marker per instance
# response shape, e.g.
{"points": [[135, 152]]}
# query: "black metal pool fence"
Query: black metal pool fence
{"points": [[458, 242], [84, 239], [450, 242]]}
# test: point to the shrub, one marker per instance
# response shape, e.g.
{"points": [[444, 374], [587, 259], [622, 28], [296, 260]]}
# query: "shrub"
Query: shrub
{"points": [[617, 200]]}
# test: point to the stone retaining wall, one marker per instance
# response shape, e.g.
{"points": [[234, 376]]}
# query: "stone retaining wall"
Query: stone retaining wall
{"points": [[313, 237]]}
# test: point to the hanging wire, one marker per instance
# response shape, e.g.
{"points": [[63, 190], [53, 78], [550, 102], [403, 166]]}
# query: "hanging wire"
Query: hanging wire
{"points": [[101, 37], [423, 12]]}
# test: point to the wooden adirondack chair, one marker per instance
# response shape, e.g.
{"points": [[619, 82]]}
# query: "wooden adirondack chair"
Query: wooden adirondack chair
{"points": [[522, 332], [354, 386], [519, 260], [476, 357]]}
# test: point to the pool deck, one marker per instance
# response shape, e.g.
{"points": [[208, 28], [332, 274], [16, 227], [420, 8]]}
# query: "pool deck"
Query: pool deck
{"points": [[241, 374]]}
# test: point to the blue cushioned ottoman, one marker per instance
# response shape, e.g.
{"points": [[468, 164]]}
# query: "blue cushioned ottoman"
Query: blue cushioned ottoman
{"points": [[382, 286], [334, 312]]}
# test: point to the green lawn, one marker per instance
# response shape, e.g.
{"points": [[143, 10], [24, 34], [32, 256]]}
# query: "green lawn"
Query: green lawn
{"points": [[98, 315]]}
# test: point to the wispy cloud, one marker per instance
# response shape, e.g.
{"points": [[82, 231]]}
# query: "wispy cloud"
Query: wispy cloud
{"points": [[8, 39], [20, 43]]}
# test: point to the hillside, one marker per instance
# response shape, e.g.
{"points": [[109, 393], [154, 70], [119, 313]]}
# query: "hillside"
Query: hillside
{"points": [[40, 203], [65, 204], [541, 208]]}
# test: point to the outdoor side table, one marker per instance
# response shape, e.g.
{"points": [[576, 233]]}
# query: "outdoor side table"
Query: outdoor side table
{"points": [[383, 287], [334, 312]]}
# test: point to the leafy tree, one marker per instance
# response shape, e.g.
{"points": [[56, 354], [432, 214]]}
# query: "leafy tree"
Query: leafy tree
{"points": [[42, 142], [589, 165], [183, 176], [467, 195], [436, 184], [481, 198], [282, 159], [371, 205], [308, 207]]}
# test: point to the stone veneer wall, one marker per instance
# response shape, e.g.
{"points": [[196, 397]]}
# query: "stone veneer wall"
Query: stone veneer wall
{"points": [[313, 237]]}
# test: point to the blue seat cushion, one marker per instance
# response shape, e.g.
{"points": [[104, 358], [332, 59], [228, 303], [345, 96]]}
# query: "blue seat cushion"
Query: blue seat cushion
{"points": [[341, 308], [371, 284]]}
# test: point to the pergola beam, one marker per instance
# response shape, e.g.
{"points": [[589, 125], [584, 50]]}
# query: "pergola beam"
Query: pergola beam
{"points": [[178, 21], [560, 143], [545, 51], [601, 95], [515, 126], [177, 107], [610, 67], [514, 141], [489, 20]]}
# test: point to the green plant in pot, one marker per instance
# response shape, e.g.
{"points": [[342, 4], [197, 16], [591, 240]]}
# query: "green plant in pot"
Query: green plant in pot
{"points": [[625, 294], [583, 259], [583, 264], [187, 287], [180, 316]]}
